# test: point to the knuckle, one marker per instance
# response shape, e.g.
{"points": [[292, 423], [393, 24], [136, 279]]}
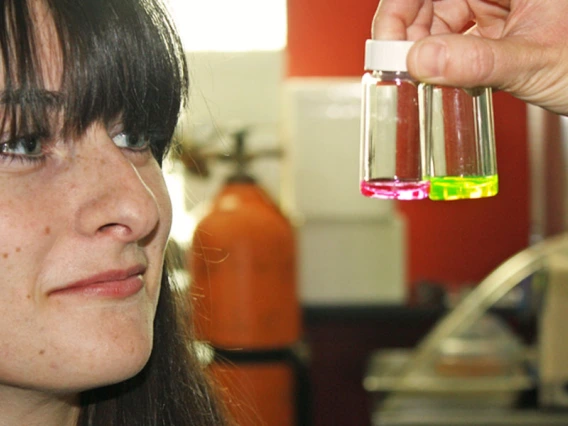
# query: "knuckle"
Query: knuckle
{"points": [[480, 61]]}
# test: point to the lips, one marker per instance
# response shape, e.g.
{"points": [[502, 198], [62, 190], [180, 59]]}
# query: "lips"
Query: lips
{"points": [[120, 283]]}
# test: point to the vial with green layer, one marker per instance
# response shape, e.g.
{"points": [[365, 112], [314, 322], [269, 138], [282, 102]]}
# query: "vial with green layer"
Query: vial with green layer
{"points": [[460, 148]]}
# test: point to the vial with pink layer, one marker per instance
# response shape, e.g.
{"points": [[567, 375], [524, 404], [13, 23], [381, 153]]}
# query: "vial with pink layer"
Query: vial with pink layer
{"points": [[392, 138]]}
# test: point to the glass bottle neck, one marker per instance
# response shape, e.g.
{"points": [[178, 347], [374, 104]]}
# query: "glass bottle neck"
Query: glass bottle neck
{"points": [[392, 75]]}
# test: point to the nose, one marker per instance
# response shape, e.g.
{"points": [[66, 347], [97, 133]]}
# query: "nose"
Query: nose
{"points": [[115, 199]]}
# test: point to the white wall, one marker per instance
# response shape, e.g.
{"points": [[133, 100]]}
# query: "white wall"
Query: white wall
{"points": [[230, 90]]}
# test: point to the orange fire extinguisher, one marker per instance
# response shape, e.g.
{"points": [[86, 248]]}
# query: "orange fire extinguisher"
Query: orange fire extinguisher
{"points": [[242, 264]]}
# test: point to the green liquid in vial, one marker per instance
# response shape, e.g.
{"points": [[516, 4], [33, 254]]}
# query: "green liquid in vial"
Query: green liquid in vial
{"points": [[456, 188]]}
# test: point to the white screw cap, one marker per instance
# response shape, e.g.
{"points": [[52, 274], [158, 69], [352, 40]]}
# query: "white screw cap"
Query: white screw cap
{"points": [[386, 55]]}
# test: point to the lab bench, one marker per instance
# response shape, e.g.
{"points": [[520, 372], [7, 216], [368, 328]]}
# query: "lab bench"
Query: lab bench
{"points": [[343, 338], [440, 400]]}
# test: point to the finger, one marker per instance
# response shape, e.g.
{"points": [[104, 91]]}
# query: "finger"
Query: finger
{"points": [[491, 17], [393, 17], [451, 16], [470, 61]]}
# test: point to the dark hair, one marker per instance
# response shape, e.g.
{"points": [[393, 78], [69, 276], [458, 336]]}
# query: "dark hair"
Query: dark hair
{"points": [[120, 58]]}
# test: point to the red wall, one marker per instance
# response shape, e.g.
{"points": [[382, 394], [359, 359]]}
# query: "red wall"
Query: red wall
{"points": [[456, 242]]}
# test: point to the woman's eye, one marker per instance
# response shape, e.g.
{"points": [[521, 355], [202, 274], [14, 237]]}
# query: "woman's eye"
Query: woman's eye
{"points": [[27, 146], [134, 142]]}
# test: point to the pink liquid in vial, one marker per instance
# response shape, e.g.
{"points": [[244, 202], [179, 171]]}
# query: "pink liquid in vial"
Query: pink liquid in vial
{"points": [[395, 189]]}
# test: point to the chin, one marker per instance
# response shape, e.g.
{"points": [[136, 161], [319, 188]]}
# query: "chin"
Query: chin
{"points": [[118, 360], [116, 351], [85, 370], [118, 369], [106, 369], [78, 344]]}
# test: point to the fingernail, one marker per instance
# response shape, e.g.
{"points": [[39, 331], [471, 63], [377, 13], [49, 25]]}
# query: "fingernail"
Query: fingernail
{"points": [[430, 59]]}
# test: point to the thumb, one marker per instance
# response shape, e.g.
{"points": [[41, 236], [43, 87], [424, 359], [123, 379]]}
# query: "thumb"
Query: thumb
{"points": [[473, 61]]}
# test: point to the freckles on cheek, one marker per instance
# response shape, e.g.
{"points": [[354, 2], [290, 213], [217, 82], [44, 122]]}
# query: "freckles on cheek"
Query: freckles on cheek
{"points": [[6, 255], [29, 234]]}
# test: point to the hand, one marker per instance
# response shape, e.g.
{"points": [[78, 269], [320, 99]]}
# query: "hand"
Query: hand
{"points": [[519, 46]]}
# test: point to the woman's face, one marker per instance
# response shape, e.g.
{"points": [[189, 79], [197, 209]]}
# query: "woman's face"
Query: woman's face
{"points": [[83, 226]]}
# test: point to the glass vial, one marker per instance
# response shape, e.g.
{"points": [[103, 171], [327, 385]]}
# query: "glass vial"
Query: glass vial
{"points": [[391, 147], [460, 153]]}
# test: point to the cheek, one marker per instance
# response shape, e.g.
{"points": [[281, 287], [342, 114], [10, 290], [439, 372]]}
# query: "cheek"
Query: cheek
{"points": [[156, 250], [157, 185], [26, 236], [165, 205], [28, 226]]}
